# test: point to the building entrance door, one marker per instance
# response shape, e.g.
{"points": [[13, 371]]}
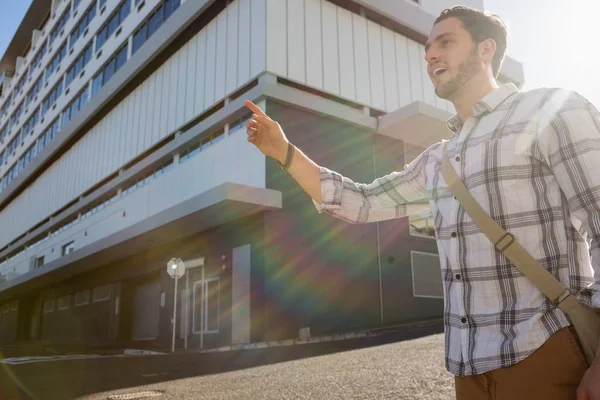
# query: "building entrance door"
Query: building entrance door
{"points": [[145, 311]]}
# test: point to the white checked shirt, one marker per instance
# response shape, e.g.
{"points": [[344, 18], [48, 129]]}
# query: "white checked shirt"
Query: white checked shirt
{"points": [[532, 161]]}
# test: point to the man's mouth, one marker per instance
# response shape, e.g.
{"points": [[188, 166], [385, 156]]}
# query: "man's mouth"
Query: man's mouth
{"points": [[439, 71]]}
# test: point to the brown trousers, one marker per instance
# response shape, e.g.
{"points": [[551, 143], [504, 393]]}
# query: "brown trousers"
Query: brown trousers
{"points": [[553, 371]]}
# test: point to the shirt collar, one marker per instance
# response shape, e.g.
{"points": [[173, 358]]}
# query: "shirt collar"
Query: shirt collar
{"points": [[487, 104]]}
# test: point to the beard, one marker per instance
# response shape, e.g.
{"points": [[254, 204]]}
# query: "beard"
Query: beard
{"points": [[466, 70]]}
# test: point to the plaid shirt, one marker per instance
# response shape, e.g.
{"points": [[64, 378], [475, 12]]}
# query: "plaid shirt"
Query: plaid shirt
{"points": [[532, 161]]}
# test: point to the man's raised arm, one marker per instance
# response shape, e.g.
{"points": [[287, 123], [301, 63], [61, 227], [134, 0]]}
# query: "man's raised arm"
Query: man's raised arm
{"points": [[386, 198]]}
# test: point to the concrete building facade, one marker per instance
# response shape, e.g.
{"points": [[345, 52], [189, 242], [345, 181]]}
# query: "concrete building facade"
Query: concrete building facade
{"points": [[122, 145]]}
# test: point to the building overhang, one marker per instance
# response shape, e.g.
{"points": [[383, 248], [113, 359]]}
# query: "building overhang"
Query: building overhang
{"points": [[223, 204], [418, 124]]}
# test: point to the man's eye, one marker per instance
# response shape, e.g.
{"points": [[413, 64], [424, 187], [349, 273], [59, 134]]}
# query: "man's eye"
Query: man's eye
{"points": [[445, 43]]}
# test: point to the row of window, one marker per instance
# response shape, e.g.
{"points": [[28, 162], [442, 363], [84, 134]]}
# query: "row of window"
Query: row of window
{"points": [[76, 104], [83, 24], [26, 158], [38, 57], [119, 59], [77, 32], [115, 20], [113, 65], [78, 65], [101, 293], [154, 22], [55, 62], [37, 86], [59, 25], [51, 98], [140, 182]]}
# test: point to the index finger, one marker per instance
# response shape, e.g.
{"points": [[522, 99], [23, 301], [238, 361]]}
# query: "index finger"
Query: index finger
{"points": [[255, 109]]}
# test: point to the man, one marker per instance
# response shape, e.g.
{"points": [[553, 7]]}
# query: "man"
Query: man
{"points": [[531, 160]]}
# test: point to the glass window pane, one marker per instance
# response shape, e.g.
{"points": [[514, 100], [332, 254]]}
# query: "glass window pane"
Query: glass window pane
{"points": [[91, 13], [113, 24], [139, 38], [155, 21], [101, 38], [109, 71], [97, 84], [121, 58], [125, 9]]}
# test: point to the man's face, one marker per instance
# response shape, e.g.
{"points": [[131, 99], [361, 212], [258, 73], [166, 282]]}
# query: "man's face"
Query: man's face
{"points": [[452, 57]]}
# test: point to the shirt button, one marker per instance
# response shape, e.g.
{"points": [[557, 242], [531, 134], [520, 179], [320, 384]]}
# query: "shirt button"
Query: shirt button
{"points": [[463, 320], [453, 234], [457, 158], [457, 276]]}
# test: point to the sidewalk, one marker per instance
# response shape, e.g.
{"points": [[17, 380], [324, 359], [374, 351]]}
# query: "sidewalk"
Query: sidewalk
{"points": [[55, 351]]}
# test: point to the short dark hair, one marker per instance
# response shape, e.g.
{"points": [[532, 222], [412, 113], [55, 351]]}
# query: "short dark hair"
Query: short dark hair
{"points": [[481, 25]]}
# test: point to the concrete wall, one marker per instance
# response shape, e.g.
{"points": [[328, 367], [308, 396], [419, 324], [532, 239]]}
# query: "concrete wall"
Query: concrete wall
{"points": [[104, 323], [323, 272]]}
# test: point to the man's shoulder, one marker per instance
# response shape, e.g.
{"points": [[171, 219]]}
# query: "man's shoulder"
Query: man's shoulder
{"points": [[555, 97]]}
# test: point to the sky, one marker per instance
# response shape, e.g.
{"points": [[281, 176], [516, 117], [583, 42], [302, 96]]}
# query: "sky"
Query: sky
{"points": [[557, 41]]}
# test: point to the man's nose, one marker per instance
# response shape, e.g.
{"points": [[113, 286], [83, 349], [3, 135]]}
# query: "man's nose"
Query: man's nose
{"points": [[431, 56]]}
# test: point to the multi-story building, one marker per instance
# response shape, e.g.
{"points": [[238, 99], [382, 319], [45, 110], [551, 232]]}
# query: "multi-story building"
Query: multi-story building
{"points": [[122, 145]]}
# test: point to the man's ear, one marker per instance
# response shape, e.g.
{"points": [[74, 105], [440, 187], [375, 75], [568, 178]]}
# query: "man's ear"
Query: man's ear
{"points": [[487, 49]]}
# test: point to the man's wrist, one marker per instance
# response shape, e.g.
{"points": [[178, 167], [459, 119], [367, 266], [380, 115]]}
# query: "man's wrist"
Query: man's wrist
{"points": [[283, 153]]}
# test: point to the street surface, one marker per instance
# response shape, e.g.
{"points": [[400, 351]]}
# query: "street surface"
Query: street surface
{"points": [[396, 365]]}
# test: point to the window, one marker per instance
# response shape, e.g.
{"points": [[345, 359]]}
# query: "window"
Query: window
{"points": [[38, 262], [2, 155], [21, 83], [154, 22], [82, 25], [38, 57], [139, 37], [76, 105], [59, 25], [12, 145], [4, 132], [47, 136], [4, 108], [35, 89], [28, 156], [30, 124], [101, 293], [16, 115], [102, 3], [53, 65], [78, 65], [68, 248], [76, 3], [64, 302], [82, 298], [426, 275], [111, 67], [48, 306], [113, 23], [52, 97]]}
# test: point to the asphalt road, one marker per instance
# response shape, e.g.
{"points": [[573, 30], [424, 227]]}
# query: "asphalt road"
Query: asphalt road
{"points": [[397, 365]]}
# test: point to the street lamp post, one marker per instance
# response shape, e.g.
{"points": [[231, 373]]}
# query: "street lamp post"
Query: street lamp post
{"points": [[176, 269]]}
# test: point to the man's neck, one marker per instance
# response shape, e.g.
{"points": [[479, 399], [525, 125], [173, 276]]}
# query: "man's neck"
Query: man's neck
{"points": [[474, 90]]}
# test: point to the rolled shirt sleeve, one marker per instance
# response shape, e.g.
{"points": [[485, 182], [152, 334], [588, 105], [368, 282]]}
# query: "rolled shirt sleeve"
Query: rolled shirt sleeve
{"points": [[394, 195]]}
